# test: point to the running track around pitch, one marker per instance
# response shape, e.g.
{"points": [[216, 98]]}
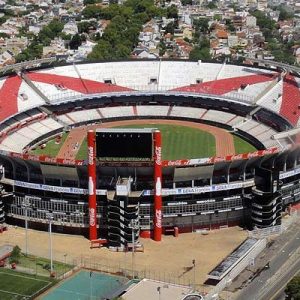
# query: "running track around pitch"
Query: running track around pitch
{"points": [[224, 140]]}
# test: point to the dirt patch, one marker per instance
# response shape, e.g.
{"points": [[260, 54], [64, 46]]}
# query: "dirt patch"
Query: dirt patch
{"points": [[170, 259]]}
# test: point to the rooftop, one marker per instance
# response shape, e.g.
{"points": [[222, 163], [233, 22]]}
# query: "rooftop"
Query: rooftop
{"points": [[148, 289]]}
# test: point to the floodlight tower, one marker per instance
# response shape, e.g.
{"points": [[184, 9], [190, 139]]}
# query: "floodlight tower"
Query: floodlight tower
{"points": [[92, 186], [157, 220]]}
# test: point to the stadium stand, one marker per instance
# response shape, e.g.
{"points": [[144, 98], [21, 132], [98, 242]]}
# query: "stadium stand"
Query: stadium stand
{"points": [[221, 192], [188, 112], [80, 116], [290, 107], [27, 98], [224, 86], [84, 86], [273, 98], [151, 110], [218, 116], [9, 96], [113, 112]]}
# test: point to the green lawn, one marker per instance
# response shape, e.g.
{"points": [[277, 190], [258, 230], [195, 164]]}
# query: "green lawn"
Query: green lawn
{"points": [[51, 148], [178, 142], [16, 285], [241, 146], [38, 265], [82, 151]]}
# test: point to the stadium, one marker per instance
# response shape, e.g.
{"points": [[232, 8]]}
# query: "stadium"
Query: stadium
{"points": [[256, 105]]}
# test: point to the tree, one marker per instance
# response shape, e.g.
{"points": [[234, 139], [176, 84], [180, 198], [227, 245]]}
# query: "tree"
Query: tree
{"points": [[49, 32], [15, 255], [172, 12], [186, 2], [293, 289], [231, 27], [75, 42], [212, 5], [101, 51], [200, 54], [162, 48], [92, 11], [201, 25], [87, 2], [170, 28], [283, 56], [284, 14], [86, 26]]}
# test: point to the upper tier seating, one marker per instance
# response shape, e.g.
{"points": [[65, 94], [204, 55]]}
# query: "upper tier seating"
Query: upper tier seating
{"points": [[9, 96], [224, 86], [272, 100], [152, 110], [189, 112], [80, 116], [290, 107], [218, 116]]}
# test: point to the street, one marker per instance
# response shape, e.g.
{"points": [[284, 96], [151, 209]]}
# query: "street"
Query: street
{"points": [[266, 285]]}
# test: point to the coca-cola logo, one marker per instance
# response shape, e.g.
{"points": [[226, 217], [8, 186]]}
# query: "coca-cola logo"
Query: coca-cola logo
{"points": [[158, 218], [92, 217], [158, 187], [237, 157], [158, 155], [91, 155], [178, 162]]}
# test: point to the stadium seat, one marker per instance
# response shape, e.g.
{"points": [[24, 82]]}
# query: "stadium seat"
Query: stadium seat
{"points": [[290, 99]]}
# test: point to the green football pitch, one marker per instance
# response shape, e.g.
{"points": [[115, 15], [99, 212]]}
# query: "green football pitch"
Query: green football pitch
{"points": [[179, 142], [15, 285]]}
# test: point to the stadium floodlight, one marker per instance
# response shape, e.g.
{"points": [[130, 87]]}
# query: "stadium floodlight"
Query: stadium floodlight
{"points": [[65, 260], [91, 286], [25, 205], [194, 267], [134, 224], [50, 219], [159, 291]]}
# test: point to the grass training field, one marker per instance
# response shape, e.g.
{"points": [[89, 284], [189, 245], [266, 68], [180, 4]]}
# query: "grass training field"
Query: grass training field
{"points": [[41, 266], [16, 285], [179, 142]]}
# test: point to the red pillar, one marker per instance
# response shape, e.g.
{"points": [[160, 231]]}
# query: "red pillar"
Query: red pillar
{"points": [[157, 221], [92, 185]]}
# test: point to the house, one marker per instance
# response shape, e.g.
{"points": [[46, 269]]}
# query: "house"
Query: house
{"points": [[70, 28]]}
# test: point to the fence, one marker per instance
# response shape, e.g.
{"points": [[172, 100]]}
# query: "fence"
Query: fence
{"points": [[138, 272]]}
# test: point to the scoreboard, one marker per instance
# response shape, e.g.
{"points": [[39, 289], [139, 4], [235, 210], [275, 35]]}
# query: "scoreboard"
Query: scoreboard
{"points": [[124, 144]]}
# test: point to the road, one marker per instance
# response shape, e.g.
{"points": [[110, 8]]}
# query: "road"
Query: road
{"points": [[276, 290], [266, 285]]}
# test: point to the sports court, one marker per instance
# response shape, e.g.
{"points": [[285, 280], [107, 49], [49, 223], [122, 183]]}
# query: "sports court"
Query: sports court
{"points": [[86, 285], [14, 285]]}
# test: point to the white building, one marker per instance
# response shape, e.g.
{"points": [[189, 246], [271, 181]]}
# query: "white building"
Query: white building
{"points": [[251, 21], [70, 28]]}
